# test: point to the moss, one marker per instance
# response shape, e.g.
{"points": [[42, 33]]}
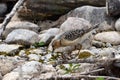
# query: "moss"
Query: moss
{"points": [[27, 51], [3, 53], [7, 54]]}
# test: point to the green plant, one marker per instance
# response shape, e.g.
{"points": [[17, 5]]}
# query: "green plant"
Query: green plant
{"points": [[39, 44], [100, 78], [71, 69]]}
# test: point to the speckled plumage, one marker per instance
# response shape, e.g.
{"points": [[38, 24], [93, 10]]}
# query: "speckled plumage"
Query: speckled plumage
{"points": [[74, 34], [70, 37]]}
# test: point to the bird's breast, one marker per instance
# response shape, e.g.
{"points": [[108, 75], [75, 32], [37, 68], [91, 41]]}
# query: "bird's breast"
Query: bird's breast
{"points": [[65, 42]]}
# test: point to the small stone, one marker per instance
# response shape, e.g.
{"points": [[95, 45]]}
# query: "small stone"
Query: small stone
{"points": [[22, 53], [34, 57], [98, 44]]}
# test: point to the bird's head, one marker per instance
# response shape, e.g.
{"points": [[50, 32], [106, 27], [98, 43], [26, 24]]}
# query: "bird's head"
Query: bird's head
{"points": [[56, 44]]}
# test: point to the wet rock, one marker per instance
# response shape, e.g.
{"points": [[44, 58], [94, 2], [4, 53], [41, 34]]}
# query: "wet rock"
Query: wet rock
{"points": [[20, 25], [111, 37], [6, 49], [22, 36]]}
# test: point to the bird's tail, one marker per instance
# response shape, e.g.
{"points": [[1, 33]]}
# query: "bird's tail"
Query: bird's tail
{"points": [[95, 26]]}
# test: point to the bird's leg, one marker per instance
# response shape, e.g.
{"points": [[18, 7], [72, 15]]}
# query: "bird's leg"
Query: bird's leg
{"points": [[78, 47], [79, 51], [64, 56]]}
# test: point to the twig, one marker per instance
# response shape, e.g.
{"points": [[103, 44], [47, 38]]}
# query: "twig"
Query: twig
{"points": [[10, 15], [102, 61], [79, 77], [94, 71]]}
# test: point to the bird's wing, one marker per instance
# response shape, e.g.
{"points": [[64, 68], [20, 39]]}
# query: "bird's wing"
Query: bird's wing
{"points": [[73, 34]]}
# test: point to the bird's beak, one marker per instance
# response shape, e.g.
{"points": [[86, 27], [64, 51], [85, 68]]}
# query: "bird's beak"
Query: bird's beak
{"points": [[53, 50]]}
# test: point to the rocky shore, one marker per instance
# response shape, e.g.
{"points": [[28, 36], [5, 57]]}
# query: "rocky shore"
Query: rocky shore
{"points": [[25, 52]]}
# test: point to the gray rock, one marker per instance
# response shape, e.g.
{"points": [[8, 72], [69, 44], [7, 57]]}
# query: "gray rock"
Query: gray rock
{"points": [[38, 51], [47, 35], [31, 67], [22, 53], [47, 24], [3, 9], [48, 72], [33, 70], [111, 37], [9, 76], [98, 44], [34, 57], [6, 49], [117, 25], [6, 66], [22, 36], [95, 15], [20, 25], [74, 23], [104, 52]]}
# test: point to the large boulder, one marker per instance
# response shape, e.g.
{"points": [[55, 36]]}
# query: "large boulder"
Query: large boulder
{"points": [[20, 25], [74, 23], [22, 36], [42, 9], [95, 15]]}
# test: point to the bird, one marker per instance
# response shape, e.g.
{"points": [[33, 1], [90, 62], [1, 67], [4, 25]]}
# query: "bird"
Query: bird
{"points": [[69, 38]]}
